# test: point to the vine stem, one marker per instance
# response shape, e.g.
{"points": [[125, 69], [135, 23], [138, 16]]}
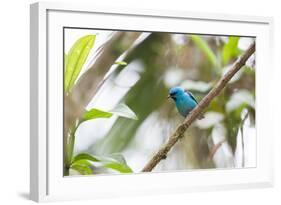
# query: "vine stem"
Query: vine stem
{"points": [[69, 147], [242, 139], [179, 133]]}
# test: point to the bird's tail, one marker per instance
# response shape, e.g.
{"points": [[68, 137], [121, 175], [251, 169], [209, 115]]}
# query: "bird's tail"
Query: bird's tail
{"points": [[200, 117]]}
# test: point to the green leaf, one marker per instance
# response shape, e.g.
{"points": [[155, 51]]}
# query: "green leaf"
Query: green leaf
{"points": [[202, 44], [95, 113], [117, 157], [116, 162], [230, 49], [124, 111], [119, 167], [82, 168], [121, 63], [65, 60], [82, 161], [76, 58], [85, 156], [121, 110]]}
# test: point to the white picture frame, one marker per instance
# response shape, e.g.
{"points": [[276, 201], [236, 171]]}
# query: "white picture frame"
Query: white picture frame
{"points": [[46, 179]]}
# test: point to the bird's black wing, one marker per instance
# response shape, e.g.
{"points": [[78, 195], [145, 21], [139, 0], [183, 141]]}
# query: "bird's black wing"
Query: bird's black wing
{"points": [[190, 94]]}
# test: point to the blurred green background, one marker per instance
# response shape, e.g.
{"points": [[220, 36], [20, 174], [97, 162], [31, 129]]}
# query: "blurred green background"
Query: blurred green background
{"points": [[146, 68]]}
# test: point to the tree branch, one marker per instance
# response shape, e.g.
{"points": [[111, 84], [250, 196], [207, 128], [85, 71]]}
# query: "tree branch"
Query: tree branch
{"points": [[214, 149], [179, 133]]}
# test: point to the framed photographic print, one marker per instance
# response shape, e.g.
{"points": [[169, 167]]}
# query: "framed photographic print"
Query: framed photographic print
{"points": [[127, 102]]}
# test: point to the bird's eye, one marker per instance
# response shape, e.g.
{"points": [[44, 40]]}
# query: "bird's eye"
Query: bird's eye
{"points": [[173, 93]]}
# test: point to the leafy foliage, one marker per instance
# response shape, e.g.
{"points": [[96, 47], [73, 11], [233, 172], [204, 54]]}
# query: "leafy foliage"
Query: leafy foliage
{"points": [[83, 163], [201, 62], [121, 63], [84, 156], [230, 49], [82, 167], [74, 62], [121, 110], [76, 58], [202, 44], [95, 113], [116, 162]]}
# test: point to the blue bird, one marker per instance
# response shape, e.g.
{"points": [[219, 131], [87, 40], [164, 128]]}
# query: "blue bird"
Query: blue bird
{"points": [[185, 101]]}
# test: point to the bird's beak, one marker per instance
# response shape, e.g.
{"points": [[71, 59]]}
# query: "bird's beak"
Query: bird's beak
{"points": [[168, 96]]}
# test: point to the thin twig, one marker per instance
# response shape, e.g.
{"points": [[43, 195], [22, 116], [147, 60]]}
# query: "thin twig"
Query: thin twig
{"points": [[179, 133], [242, 139], [214, 149]]}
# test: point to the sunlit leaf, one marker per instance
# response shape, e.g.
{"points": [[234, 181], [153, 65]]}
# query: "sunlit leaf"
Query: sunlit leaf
{"points": [[230, 49], [145, 96], [124, 111], [119, 167], [83, 161], [116, 162], [76, 58], [82, 168], [204, 47], [121, 110], [65, 60], [84, 156], [120, 63], [117, 157], [96, 113]]}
